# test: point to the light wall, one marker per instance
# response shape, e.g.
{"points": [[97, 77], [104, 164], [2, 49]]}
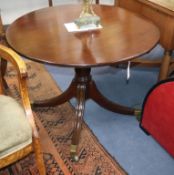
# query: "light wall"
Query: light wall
{"points": [[12, 9]]}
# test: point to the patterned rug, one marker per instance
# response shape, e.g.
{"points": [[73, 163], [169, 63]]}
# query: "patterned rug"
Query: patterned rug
{"points": [[55, 126]]}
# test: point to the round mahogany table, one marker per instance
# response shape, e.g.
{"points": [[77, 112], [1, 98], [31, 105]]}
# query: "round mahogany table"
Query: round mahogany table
{"points": [[41, 36]]}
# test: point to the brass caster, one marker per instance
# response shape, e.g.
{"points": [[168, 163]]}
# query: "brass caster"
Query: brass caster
{"points": [[137, 114], [74, 157], [73, 153], [32, 103]]}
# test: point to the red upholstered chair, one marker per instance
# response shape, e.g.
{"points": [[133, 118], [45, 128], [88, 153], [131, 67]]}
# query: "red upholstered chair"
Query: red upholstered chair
{"points": [[158, 114], [18, 132]]}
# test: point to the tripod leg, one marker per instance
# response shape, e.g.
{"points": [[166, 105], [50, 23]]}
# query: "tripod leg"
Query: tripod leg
{"points": [[81, 96]]}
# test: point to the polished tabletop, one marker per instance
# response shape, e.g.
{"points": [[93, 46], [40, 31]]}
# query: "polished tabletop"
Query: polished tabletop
{"points": [[42, 36]]}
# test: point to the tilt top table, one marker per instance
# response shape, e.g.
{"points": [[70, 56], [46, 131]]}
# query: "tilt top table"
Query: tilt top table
{"points": [[41, 36]]}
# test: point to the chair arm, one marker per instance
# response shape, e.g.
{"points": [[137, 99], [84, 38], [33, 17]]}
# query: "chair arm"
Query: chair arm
{"points": [[26, 104], [19, 65], [11, 56]]}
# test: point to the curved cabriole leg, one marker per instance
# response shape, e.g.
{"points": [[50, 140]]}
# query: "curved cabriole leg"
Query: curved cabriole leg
{"points": [[96, 95], [62, 98], [81, 96]]}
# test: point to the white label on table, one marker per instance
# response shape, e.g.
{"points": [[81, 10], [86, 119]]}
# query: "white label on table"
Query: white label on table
{"points": [[72, 27]]}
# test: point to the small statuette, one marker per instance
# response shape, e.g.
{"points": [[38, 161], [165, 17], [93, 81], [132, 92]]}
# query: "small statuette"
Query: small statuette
{"points": [[87, 17], [87, 21]]}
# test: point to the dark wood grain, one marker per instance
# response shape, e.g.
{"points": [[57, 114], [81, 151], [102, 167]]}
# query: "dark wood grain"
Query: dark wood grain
{"points": [[41, 36]]}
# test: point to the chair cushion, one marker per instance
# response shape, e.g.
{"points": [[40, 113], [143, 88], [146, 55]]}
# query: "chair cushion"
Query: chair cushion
{"points": [[15, 131]]}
